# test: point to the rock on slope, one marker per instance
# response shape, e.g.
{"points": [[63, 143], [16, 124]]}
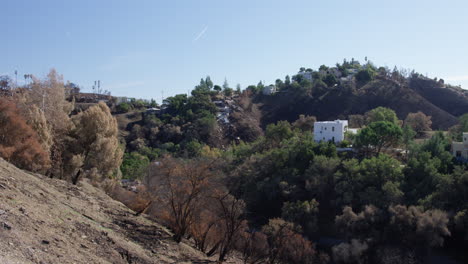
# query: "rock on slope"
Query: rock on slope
{"points": [[45, 220]]}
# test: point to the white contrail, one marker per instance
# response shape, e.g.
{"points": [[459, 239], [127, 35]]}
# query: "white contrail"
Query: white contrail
{"points": [[200, 34]]}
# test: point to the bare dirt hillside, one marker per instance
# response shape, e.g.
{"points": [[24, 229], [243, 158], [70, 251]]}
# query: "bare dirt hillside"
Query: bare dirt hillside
{"points": [[45, 220]]}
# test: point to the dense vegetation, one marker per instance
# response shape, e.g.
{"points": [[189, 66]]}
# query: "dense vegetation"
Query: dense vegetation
{"points": [[277, 195], [351, 88]]}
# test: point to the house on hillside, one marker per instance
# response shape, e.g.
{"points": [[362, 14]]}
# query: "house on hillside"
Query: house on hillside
{"points": [[91, 97], [330, 130], [121, 99], [460, 149], [333, 71], [269, 90], [307, 75], [153, 110]]}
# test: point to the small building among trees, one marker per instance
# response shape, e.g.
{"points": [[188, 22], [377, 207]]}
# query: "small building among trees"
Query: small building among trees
{"points": [[269, 90], [460, 149], [330, 130]]}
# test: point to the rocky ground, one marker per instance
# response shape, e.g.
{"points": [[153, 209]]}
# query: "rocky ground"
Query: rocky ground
{"points": [[46, 220]]}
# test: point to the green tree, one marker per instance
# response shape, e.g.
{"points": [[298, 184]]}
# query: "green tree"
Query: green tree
{"points": [[176, 104], [217, 88], [228, 91], [238, 88], [365, 75], [421, 177], [153, 103], [456, 131], [381, 114], [208, 82], [438, 146], [319, 178], [330, 80], [225, 84], [123, 107], [378, 135], [408, 135], [372, 181], [134, 165], [463, 120], [303, 213], [275, 133], [260, 86]]}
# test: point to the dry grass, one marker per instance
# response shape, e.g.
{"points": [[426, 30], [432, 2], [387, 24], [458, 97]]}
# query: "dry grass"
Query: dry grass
{"points": [[45, 220]]}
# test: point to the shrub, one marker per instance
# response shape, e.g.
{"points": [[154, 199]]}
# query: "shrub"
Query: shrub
{"points": [[286, 245], [123, 107], [19, 143], [134, 165]]}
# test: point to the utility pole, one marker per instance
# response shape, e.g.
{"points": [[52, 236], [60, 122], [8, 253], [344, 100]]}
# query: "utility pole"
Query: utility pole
{"points": [[16, 78]]}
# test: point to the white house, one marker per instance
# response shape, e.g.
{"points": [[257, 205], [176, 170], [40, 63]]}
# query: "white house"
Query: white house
{"points": [[330, 130], [307, 75], [460, 149], [269, 90]]}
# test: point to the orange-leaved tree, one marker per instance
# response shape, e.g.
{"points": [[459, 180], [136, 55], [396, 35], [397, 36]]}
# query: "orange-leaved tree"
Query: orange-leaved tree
{"points": [[179, 188], [19, 143]]}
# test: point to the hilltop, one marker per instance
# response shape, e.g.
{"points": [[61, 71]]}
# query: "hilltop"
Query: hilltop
{"points": [[443, 102], [45, 220]]}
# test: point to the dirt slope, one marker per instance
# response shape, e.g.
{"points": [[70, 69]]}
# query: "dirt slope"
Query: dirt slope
{"points": [[45, 220]]}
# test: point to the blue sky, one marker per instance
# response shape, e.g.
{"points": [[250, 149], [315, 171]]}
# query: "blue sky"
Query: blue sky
{"points": [[141, 48]]}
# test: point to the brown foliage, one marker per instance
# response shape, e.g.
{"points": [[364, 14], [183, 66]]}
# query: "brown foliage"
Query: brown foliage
{"points": [[94, 138], [246, 118], [305, 123], [179, 188], [229, 211], [350, 252], [419, 122], [427, 227], [357, 121], [203, 230], [49, 95], [408, 228], [47, 111], [138, 202], [253, 247], [19, 143], [191, 199], [286, 245]]}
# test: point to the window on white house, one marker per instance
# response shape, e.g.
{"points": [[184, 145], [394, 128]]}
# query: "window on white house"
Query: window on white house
{"points": [[333, 128]]}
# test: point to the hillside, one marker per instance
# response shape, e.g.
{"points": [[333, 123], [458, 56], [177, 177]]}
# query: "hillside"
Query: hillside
{"points": [[46, 220], [443, 104]]}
